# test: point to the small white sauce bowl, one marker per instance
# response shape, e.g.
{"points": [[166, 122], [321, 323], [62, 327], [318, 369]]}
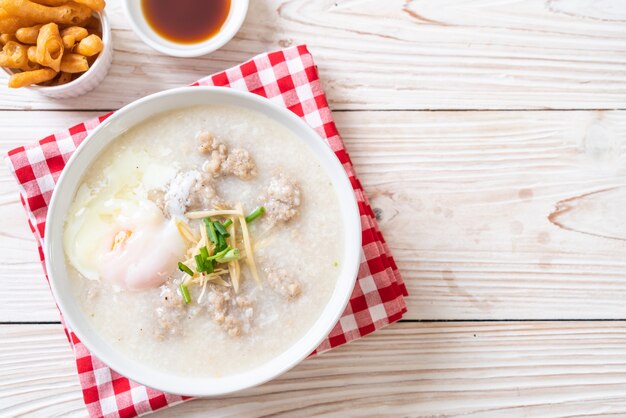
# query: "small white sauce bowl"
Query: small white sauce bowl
{"points": [[91, 78], [142, 28], [90, 150]]}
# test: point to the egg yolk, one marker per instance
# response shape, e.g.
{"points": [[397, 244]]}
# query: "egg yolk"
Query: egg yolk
{"points": [[120, 239]]}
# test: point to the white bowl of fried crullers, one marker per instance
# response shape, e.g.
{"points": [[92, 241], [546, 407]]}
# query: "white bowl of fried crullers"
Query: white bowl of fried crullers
{"points": [[60, 48]]}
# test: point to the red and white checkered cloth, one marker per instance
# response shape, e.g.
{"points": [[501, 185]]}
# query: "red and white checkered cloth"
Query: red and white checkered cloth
{"points": [[288, 78]]}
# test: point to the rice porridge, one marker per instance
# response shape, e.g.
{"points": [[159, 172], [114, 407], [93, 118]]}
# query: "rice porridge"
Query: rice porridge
{"points": [[204, 242]]}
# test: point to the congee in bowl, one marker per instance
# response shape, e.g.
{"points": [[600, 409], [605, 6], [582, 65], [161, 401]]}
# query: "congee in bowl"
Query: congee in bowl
{"points": [[205, 241]]}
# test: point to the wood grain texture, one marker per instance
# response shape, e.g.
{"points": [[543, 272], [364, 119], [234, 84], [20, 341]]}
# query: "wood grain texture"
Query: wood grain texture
{"points": [[24, 294], [444, 369], [411, 54], [490, 215], [500, 214]]}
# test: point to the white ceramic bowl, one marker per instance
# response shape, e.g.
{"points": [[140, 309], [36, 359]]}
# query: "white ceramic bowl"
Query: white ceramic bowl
{"points": [[135, 16], [88, 152], [91, 78]]}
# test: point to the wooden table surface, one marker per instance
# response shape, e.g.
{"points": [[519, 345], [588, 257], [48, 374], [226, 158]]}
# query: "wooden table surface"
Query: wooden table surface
{"points": [[490, 135]]}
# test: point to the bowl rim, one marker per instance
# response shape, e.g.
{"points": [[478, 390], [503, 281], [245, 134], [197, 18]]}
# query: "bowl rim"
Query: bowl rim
{"points": [[272, 368], [106, 40], [236, 17]]}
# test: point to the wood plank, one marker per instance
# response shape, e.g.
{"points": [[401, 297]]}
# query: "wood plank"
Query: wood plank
{"points": [[38, 372], [500, 215], [474, 54], [410, 369], [490, 215], [24, 294]]}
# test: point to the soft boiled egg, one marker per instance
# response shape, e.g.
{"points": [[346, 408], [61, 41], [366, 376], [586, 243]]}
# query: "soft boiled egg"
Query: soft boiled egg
{"points": [[117, 235]]}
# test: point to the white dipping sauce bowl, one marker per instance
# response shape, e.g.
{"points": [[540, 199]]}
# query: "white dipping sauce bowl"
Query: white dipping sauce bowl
{"points": [[88, 153], [236, 16]]}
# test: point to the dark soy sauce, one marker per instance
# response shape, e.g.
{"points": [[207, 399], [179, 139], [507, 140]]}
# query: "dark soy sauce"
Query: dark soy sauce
{"points": [[186, 21]]}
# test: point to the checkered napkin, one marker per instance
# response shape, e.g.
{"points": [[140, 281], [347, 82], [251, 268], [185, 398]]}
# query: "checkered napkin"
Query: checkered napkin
{"points": [[288, 78]]}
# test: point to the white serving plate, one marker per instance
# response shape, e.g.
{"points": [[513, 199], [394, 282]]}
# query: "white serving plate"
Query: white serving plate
{"points": [[89, 151]]}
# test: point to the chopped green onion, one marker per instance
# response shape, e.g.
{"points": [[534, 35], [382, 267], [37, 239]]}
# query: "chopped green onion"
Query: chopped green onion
{"points": [[259, 211], [199, 262], [228, 223], [184, 269], [231, 255], [184, 292], [220, 254], [221, 243], [210, 230], [203, 262], [208, 266], [220, 228]]}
